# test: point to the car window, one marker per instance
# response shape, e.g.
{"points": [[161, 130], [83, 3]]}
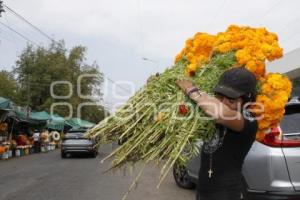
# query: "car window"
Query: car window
{"points": [[82, 130], [291, 120], [76, 131], [74, 134], [80, 141]]}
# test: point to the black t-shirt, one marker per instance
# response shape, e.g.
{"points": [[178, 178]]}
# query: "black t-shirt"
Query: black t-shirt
{"points": [[224, 154]]}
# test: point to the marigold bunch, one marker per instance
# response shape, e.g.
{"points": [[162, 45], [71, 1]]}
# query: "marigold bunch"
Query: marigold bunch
{"points": [[3, 126], [197, 51], [252, 47], [273, 95]]}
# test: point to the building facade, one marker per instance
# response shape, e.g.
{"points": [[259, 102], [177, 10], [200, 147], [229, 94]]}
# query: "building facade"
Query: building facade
{"points": [[289, 64]]}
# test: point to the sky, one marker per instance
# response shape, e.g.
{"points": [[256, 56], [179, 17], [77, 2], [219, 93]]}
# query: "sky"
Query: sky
{"points": [[118, 34]]}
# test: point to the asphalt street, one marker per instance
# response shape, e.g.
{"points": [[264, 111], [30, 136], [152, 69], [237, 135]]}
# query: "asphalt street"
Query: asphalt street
{"points": [[46, 176]]}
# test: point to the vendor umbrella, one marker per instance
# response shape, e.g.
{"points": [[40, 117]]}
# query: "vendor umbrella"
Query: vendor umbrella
{"points": [[56, 122], [5, 104]]}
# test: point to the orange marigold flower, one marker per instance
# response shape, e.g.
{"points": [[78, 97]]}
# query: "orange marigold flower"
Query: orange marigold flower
{"points": [[274, 94]]}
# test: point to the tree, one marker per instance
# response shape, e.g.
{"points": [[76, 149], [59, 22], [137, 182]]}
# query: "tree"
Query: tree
{"points": [[37, 68], [8, 86]]}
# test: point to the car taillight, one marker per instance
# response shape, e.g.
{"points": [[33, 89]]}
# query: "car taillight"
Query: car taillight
{"points": [[275, 139]]}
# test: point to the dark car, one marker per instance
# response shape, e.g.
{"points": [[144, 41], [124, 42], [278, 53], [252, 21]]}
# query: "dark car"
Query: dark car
{"points": [[272, 167], [75, 130], [75, 133], [76, 142]]}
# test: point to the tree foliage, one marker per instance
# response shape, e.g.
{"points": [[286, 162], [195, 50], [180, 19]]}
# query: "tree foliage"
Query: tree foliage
{"points": [[37, 68], [8, 86]]}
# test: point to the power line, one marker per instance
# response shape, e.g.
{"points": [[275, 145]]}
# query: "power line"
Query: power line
{"points": [[289, 37], [12, 36], [44, 34], [124, 89], [258, 20], [20, 34], [6, 38], [29, 23], [269, 11]]}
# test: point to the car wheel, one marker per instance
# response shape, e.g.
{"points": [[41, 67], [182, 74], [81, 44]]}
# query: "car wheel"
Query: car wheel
{"points": [[245, 195], [94, 155], [63, 155], [181, 178]]}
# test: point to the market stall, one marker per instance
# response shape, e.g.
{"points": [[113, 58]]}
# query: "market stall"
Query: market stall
{"points": [[24, 133], [56, 123], [5, 146], [77, 123]]}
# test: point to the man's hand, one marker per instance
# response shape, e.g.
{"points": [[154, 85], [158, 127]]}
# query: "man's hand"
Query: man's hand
{"points": [[185, 85]]}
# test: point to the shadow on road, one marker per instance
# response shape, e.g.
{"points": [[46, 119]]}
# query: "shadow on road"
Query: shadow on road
{"points": [[79, 156]]}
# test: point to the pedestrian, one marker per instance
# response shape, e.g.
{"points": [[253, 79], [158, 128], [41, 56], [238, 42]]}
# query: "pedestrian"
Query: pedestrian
{"points": [[37, 143], [222, 157]]}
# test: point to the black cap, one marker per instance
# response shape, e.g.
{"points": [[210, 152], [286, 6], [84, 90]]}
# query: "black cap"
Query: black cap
{"points": [[236, 82]]}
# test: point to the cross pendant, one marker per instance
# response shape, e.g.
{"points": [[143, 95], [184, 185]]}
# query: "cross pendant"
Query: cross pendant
{"points": [[210, 172]]}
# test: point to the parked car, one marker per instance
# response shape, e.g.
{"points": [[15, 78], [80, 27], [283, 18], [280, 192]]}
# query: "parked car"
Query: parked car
{"points": [[76, 142], [272, 167]]}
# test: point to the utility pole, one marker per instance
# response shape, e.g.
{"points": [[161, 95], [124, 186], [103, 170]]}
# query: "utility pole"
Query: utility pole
{"points": [[28, 108], [1, 7]]}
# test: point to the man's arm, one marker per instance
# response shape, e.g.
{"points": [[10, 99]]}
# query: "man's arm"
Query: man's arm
{"points": [[219, 111], [214, 108]]}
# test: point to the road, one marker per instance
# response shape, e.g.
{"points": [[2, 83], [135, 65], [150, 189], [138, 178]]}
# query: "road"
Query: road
{"points": [[46, 176]]}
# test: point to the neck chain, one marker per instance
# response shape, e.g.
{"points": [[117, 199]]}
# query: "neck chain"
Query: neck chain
{"points": [[222, 136]]}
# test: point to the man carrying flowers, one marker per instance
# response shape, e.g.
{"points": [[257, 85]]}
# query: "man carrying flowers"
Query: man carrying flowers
{"points": [[161, 125], [222, 157]]}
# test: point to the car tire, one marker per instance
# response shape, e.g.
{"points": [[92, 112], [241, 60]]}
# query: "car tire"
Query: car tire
{"points": [[245, 194], [63, 155], [181, 177], [94, 155]]}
